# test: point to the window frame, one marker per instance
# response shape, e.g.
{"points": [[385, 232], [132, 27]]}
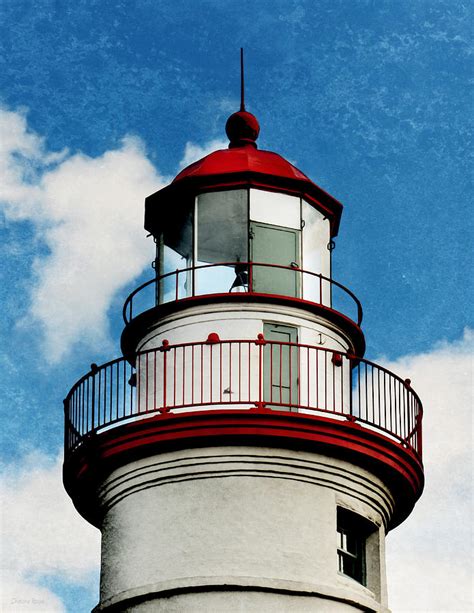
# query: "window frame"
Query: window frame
{"points": [[350, 525]]}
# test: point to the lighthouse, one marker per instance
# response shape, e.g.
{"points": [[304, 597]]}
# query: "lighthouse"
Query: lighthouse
{"points": [[242, 455]]}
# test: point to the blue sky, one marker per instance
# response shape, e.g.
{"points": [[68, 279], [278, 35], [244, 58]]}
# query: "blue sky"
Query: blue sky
{"points": [[371, 99]]}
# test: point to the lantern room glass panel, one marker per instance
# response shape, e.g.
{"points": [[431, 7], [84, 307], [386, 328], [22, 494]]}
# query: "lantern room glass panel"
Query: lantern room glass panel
{"points": [[275, 208], [222, 241], [275, 260], [316, 257], [175, 255]]}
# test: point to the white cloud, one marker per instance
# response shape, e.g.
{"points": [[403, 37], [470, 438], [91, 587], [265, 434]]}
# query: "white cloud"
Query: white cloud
{"points": [[42, 536], [89, 213], [193, 152], [429, 559]]}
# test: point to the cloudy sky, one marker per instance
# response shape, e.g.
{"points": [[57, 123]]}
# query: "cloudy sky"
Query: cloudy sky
{"points": [[102, 102]]}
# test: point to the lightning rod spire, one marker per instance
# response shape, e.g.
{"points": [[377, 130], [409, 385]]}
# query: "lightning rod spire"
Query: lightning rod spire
{"points": [[242, 84]]}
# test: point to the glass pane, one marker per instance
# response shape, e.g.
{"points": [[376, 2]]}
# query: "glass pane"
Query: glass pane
{"points": [[316, 257], [352, 544], [223, 227], [351, 567], [178, 285], [215, 280], [176, 254], [222, 236], [275, 208], [178, 231]]}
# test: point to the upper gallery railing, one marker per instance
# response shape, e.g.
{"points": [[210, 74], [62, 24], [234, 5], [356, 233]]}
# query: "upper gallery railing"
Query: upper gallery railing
{"points": [[248, 277], [243, 374]]}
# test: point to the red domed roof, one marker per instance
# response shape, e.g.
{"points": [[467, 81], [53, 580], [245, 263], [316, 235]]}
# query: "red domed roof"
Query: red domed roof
{"points": [[242, 159], [243, 165]]}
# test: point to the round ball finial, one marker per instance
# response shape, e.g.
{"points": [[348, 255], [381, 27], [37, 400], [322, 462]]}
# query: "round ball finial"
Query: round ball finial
{"points": [[242, 128]]}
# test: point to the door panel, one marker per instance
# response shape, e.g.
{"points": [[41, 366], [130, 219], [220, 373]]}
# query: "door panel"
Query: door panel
{"points": [[280, 367], [275, 245]]}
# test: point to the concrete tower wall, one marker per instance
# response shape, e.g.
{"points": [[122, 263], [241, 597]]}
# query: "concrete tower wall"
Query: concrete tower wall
{"points": [[242, 322], [237, 529]]}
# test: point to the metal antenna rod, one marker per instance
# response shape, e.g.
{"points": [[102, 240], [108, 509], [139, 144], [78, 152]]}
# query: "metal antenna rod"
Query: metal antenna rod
{"points": [[242, 85]]}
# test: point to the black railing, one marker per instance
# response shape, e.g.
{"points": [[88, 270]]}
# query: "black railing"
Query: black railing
{"points": [[227, 277], [243, 374]]}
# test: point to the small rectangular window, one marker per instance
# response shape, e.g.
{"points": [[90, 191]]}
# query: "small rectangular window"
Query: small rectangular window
{"points": [[352, 533]]}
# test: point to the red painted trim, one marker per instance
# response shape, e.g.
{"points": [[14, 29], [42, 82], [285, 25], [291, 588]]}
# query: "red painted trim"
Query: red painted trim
{"points": [[189, 187], [134, 331], [398, 467]]}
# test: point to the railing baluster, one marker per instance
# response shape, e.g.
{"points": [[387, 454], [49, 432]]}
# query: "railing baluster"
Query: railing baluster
{"points": [[373, 395], [154, 380], [325, 380], [220, 372], [270, 379], [317, 377], [139, 385], [249, 349], [146, 381], [342, 385], [202, 373], [85, 417], [290, 358], [359, 404], [211, 382], [165, 374], [174, 376], [280, 381], [351, 408], [183, 351], [240, 371], [308, 401], [333, 385], [230, 371], [192, 375], [298, 376]]}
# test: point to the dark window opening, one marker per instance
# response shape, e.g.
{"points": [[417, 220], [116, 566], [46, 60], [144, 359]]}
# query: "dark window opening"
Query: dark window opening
{"points": [[352, 533]]}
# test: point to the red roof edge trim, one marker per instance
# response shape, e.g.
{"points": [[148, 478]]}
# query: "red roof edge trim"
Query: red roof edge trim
{"points": [[189, 186]]}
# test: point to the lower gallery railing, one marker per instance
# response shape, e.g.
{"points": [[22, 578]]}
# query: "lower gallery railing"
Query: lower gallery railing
{"points": [[243, 374]]}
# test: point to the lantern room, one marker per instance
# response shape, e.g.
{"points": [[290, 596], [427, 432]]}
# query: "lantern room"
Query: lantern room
{"points": [[243, 220]]}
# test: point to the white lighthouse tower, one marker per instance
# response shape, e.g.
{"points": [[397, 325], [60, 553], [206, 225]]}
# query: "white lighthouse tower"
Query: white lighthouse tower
{"points": [[242, 455]]}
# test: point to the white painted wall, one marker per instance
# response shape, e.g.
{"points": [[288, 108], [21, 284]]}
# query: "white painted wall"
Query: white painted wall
{"points": [[237, 516], [189, 381], [242, 321]]}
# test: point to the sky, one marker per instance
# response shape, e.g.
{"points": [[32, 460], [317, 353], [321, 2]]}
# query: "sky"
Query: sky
{"points": [[102, 102]]}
